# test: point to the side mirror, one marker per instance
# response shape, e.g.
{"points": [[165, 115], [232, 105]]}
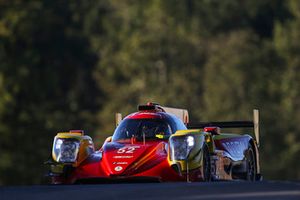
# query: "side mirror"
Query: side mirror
{"points": [[162, 136], [108, 139]]}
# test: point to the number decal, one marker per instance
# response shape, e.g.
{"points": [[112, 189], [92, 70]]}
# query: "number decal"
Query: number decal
{"points": [[130, 150], [126, 150], [122, 150]]}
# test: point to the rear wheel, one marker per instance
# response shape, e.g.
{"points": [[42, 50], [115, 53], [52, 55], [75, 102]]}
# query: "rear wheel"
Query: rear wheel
{"points": [[205, 168], [251, 165]]}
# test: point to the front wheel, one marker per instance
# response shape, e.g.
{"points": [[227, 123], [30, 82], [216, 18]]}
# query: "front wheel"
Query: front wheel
{"points": [[205, 168]]}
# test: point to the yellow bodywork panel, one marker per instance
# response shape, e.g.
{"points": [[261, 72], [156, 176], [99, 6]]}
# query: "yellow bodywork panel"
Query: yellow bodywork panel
{"points": [[86, 146], [194, 158]]}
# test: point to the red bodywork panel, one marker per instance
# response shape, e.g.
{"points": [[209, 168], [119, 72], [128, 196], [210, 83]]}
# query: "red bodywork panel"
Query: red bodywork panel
{"points": [[125, 160], [130, 158]]}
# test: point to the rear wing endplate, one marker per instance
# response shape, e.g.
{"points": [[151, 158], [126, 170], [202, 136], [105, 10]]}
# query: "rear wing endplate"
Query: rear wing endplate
{"points": [[232, 124], [118, 118], [182, 114]]}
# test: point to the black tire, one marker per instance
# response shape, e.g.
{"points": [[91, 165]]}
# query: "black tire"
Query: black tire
{"points": [[251, 165], [205, 169]]}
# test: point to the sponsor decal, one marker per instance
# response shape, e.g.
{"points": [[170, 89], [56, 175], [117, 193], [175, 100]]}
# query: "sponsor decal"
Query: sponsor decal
{"points": [[120, 163], [118, 168], [122, 156]]}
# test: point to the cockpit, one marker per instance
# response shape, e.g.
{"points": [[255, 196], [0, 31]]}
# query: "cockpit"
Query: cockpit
{"points": [[148, 129]]}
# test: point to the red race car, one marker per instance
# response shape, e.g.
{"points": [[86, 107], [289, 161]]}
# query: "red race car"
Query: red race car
{"points": [[158, 144]]}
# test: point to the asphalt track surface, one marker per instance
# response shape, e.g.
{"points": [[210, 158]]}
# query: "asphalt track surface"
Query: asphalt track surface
{"points": [[176, 191]]}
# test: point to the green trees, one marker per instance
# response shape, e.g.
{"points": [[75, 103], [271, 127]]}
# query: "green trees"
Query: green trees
{"points": [[46, 84], [73, 65], [288, 48]]}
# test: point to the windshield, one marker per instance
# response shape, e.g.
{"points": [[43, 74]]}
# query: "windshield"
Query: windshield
{"points": [[142, 128]]}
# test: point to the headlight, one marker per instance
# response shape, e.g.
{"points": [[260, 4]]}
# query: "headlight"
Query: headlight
{"points": [[190, 141], [181, 146], [66, 150]]}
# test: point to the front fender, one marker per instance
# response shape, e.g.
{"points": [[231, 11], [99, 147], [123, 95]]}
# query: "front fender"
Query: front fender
{"points": [[184, 156], [86, 147]]}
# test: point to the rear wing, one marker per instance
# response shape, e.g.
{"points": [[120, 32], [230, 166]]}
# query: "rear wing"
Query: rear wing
{"points": [[182, 114], [232, 124]]}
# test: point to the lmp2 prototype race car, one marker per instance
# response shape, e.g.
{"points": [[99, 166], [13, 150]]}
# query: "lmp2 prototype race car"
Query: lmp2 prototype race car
{"points": [[158, 144]]}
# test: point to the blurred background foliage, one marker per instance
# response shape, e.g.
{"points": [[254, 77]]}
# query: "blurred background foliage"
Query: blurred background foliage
{"points": [[73, 64]]}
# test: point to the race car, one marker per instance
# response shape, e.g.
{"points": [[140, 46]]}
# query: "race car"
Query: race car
{"points": [[158, 143]]}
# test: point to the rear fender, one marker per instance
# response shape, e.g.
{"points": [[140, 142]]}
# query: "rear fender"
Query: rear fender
{"points": [[256, 153]]}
